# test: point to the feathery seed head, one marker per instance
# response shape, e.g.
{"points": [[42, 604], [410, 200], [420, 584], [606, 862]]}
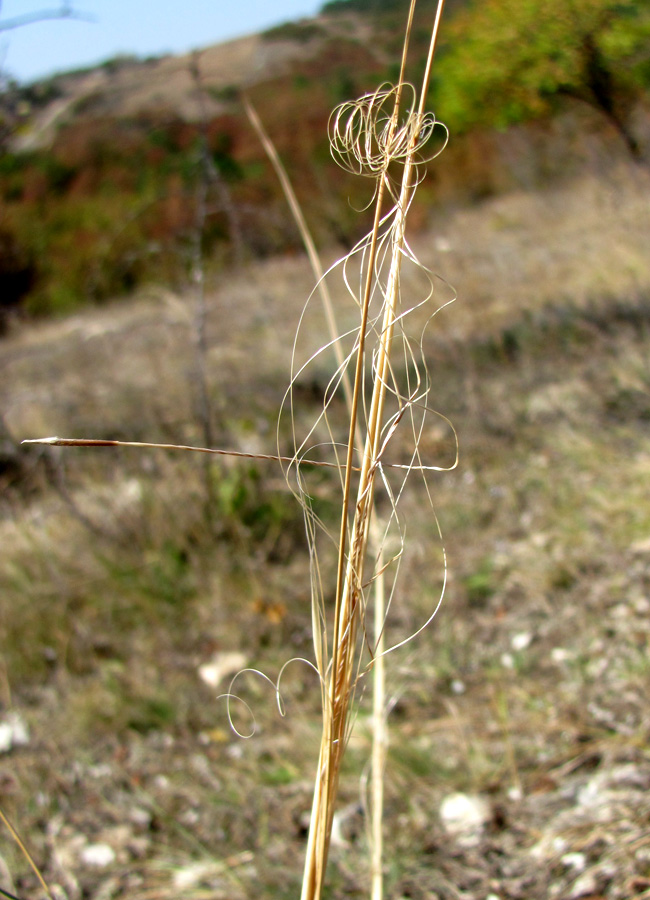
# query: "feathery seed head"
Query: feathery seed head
{"points": [[368, 134]]}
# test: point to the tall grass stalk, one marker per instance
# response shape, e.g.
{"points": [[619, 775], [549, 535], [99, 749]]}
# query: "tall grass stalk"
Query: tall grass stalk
{"points": [[379, 739], [379, 723], [369, 140]]}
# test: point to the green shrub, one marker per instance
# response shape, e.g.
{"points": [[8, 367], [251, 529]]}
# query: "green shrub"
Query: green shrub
{"points": [[507, 61]]}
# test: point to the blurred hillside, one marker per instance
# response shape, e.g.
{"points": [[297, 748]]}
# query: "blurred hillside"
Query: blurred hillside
{"points": [[100, 169]]}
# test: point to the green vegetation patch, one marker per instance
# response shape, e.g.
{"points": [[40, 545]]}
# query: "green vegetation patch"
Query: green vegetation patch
{"points": [[507, 61], [301, 32]]}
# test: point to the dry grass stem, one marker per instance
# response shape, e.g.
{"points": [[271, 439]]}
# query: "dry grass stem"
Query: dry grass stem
{"points": [[379, 726], [379, 740], [369, 137], [305, 234]]}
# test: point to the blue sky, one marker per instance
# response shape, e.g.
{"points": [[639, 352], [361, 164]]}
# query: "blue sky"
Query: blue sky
{"points": [[142, 27]]}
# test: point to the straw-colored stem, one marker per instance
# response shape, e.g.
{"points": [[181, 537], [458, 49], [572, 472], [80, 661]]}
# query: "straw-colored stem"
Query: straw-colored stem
{"points": [[345, 626], [350, 580], [379, 728], [379, 740], [379, 732], [349, 597], [307, 239]]}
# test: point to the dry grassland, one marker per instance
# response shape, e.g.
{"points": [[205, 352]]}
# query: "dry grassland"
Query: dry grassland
{"points": [[529, 691]]}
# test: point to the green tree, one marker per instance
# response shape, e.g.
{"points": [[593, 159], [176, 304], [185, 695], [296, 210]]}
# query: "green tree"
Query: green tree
{"points": [[511, 60]]}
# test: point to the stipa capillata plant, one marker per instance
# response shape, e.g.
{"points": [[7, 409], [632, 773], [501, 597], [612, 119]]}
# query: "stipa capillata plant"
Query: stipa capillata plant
{"points": [[388, 137], [385, 136]]}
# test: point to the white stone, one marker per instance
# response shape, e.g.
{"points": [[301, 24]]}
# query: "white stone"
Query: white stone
{"points": [[99, 855], [220, 666], [13, 732], [189, 818], [584, 886], [5, 737], [189, 876], [577, 861], [139, 816], [521, 641], [464, 816], [442, 244], [337, 838], [559, 844]]}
